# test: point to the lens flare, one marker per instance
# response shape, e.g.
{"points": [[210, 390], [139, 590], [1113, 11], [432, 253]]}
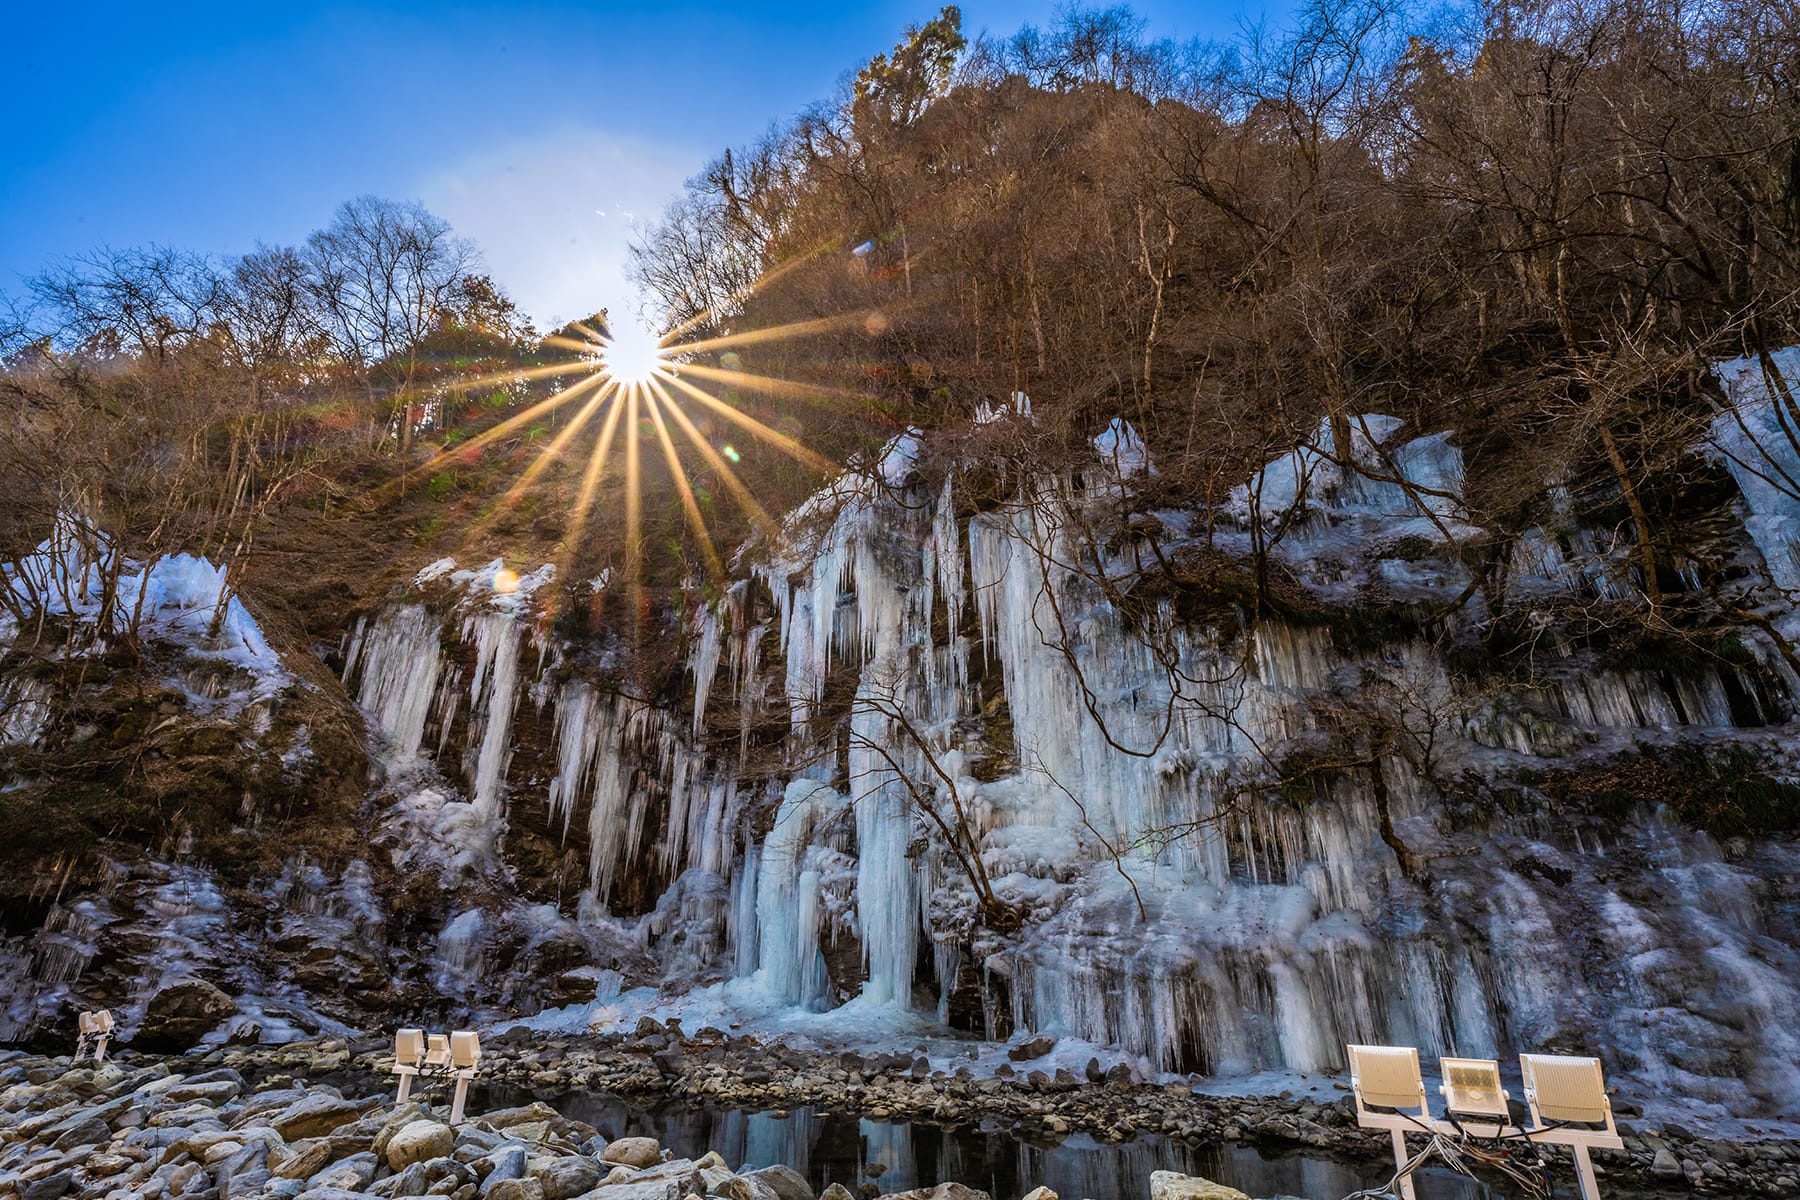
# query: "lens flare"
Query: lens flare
{"points": [[632, 355], [635, 388]]}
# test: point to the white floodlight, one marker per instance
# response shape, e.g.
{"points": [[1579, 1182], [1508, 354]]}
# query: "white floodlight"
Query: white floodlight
{"points": [[1471, 1088], [1566, 1096], [1388, 1078], [93, 1029], [465, 1056], [409, 1058]]}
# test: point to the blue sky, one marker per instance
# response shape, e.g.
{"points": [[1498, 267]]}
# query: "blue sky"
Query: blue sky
{"points": [[541, 131]]}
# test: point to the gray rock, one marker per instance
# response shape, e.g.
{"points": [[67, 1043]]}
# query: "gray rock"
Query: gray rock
{"points": [[352, 1174], [836, 1191], [481, 1141], [1173, 1185], [513, 1189], [745, 1187], [645, 1189], [1032, 1048], [249, 1157], [634, 1152], [248, 1183], [787, 1183], [307, 1161], [570, 1176], [212, 1091], [943, 1191], [90, 1132], [330, 1193], [417, 1141], [157, 1137], [507, 1162], [448, 1177], [1665, 1165], [50, 1187], [529, 1114], [314, 1115]]}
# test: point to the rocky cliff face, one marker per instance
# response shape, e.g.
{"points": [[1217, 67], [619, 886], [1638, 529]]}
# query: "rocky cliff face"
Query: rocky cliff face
{"points": [[1221, 790]]}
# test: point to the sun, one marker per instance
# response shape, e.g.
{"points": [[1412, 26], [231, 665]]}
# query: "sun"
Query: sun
{"points": [[633, 391], [633, 355]]}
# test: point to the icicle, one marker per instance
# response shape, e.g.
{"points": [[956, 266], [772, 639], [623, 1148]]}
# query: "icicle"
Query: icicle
{"points": [[400, 661]]}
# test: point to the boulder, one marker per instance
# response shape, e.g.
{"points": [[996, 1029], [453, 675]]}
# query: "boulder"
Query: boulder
{"points": [[397, 1120], [787, 1183], [246, 1158], [537, 1112], [90, 1132], [1040, 1193], [1173, 1185], [206, 1091], [249, 1183], [307, 1161], [352, 1174], [943, 1191], [411, 1182], [635, 1189], [744, 1187], [180, 1014], [1032, 1048], [314, 1116], [712, 1172], [513, 1189], [49, 1187], [504, 1162], [634, 1151], [570, 1176], [836, 1191], [419, 1141]]}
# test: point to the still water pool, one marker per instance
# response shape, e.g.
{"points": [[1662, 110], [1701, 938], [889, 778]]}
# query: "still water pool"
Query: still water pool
{"points": [[896, 1156]]}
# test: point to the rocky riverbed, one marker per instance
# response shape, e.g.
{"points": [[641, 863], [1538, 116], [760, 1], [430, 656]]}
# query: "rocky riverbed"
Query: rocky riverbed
{"points": [[318, 1118]]}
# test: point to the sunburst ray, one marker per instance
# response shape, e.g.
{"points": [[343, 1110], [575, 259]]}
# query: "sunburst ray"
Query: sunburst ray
{"points": [[754, 427], [772, 333], [742, 494], [689, 504], [634, 550], [771, 385], [490, 435], [542, 462], [590, 486]]}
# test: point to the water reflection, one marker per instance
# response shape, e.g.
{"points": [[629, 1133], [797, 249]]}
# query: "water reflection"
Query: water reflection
{"points": [[896, 1156]]}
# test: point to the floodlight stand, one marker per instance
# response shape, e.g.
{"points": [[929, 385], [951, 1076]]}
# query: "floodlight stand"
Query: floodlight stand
{"points": [[456, 1102], [1400, 1158], [1584, 1168]]}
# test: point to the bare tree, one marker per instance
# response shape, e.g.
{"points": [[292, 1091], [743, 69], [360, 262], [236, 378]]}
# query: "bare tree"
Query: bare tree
{"points": [[381, 274]]}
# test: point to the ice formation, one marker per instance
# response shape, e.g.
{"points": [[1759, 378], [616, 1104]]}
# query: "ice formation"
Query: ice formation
{"points": [[939, 767], [79, 578], [1096, 764]]}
